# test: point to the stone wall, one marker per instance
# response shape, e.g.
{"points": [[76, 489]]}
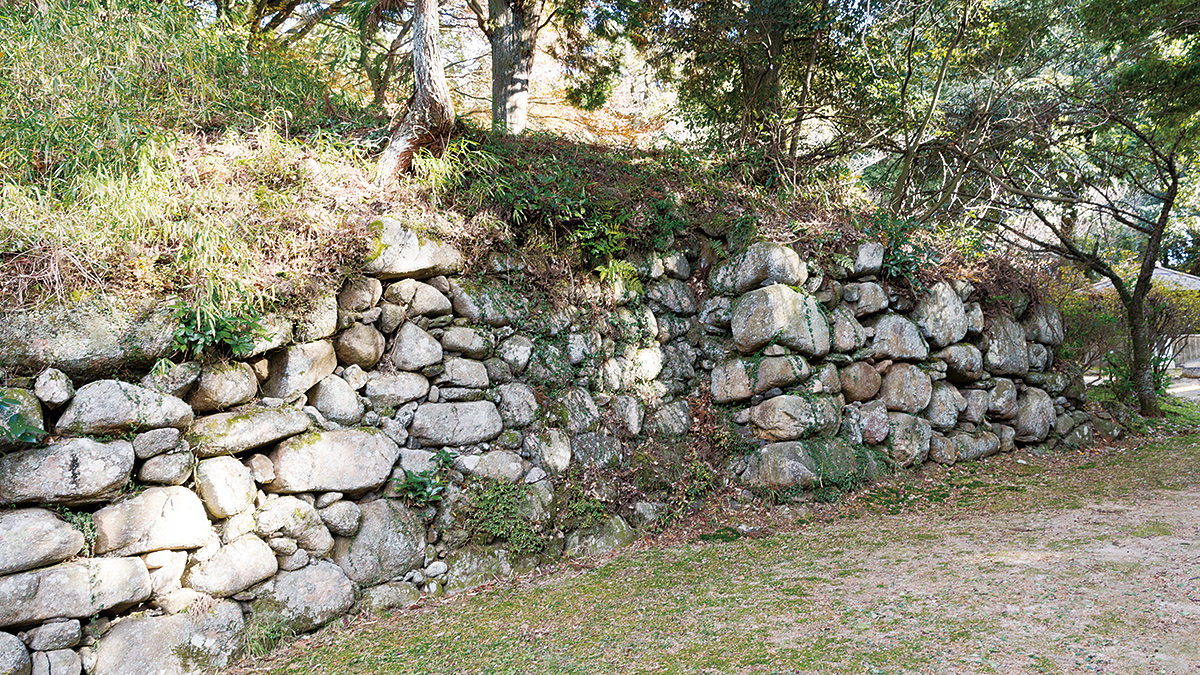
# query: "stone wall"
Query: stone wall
{"points": [[267, 489]]}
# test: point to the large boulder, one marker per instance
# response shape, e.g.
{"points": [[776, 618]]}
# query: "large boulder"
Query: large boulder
{"points": [[347, 460], [235, 567], [941, 316], [1044, 324], [159, 518], [88, 339], [73, 590], [400, 252], [518, 405], [906, 388], [778, 466], [786, 418], [226, 486], [945, 404], [908, 443], [390, 542], [110, 407], [1002, 403], [35, 538], [898, 338], [187, 643], [296, 369], [739, 379], [971, 447], [396, 389], [457, 423], [859, 381], [415, 349], [964, 362], [75, 471], [1035, 415], [848, 333], [307, 598], [234, 432], [1006, 352], [223, 385], [359, 345], [779, 314], [336, 400], [760, 263]]}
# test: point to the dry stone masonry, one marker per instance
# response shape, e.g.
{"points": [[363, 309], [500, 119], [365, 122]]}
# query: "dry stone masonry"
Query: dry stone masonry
{"points": [[217, 494]]}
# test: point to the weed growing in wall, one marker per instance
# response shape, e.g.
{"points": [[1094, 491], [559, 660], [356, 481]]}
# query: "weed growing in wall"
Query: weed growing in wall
{"points": [[210, 328], [424, 488], [493, 512], [82, 521], [14, 427]]}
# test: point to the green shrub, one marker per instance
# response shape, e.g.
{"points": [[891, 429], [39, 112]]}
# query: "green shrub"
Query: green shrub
{"points": [[493, 511], [13, 425]]}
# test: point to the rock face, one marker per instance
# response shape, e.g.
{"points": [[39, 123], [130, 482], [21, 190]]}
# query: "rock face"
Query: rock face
{"points": [[54, 388], [786, 418], [906, 388], [35, 538], [72, 590], [360, 345], [1035, 416], [352, 460], [415, 349], [308, 598], [848, 333], [233, 568], [457, 423], [390, 542], [964, 362], [779, 466], [1044, 324], [334, 398], [738, 380], [159, 518], [225, 485], [223, 385], [76, 471], [88, 339], [898, 338], [109, 406], [945, 403], [402, 253], [909, 439], [1006, 353], [761, 262], [14, 658], [296, 369], [234, 432], [777, 313], [390, 391], [941, 316], [180, 644]]}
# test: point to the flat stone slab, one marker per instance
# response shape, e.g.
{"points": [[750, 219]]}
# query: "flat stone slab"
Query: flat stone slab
{"points": [[159, 518], [234, 432], [348, 460], [76, 471], [111, 406], [35, 538], [72, 590]]}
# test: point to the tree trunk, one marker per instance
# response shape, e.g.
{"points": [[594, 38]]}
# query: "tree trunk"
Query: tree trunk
{"points": [[512, 30], [430, 116], [1143, 360]]}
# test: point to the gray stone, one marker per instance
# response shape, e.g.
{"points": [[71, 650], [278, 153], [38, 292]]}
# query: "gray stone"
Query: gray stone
{"points": [[472, 566], [779, 466], [515, 351], [1006, 352], [1079, 437], [972, 447], [156, 442], [466, 341], [552, 448], [54, 388], [630, 413], [582, 346], [671, 420], [390, 542], [415, 349], [1035, 416], [296, 369], [234, 432], [396, 595], [88, 339], [964, 362], [418, 299], [827, 375], [779, 314], [390, 391], [109, 406], [942, 450], [976, 408], [1044, 324], [390, 318], [868, 258], [871, 299], [57, 662], [336, 400], [360, 294], [760, 263], [173, 468], [261, 468], [732, 380], [297, 519], [1039, 356], [876, 424], [974, 312], [359, 345], [166, 570], [909, 439], [342, 518], [402, 253], [234, 568], [674, 295], [35, 538], [941, 316], [463, 373], [786, 418], [72, 590], [518, 405], [55, 635], [500, 465], [225, 486], [613, 534], [491, 301], [716, 313], [223, 385], [860, 381], [14, 658], [848, 333], [158, 518], [898, 338], [945, 404], [177, 380], [75, 471], [1003, 403], [349, 460], [180, 644], [906, 388], [596, 449], [457, 424], [277, 331], [578, 410]]}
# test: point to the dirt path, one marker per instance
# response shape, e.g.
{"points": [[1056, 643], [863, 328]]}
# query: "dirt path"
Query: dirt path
{"points": [[1018, 564]]}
